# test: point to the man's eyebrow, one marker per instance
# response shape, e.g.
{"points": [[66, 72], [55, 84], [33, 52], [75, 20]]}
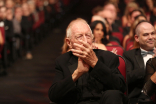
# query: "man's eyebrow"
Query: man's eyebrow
{"points": [[78, 34], [150, 32]]}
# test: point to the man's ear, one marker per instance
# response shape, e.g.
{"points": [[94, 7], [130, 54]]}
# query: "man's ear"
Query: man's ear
{"points": [[136, 38], [68, 42]]}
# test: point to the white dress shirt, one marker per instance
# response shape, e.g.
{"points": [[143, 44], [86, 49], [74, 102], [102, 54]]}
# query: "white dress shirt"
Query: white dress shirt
{"points": [[147, 57]]}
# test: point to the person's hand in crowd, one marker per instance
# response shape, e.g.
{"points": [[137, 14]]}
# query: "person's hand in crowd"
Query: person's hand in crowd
{"points": [[86, 53], [114, 50]]}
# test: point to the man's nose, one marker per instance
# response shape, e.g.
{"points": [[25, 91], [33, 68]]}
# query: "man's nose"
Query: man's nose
{"points": [[84, 39], [151, 36]]}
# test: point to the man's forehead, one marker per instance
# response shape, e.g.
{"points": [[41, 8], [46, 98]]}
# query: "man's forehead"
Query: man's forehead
{"points": [[80, 26], [146, 27]]}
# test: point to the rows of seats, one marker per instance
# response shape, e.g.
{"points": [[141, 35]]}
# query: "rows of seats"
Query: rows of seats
{"points": [[34, 28]]}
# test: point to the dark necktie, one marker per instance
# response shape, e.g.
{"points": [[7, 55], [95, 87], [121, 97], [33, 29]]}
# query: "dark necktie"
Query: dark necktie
{"points": [[144, 53]]}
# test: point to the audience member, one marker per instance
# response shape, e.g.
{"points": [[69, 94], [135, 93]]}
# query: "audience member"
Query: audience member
{"points": [[83, 75], [97, 11], [126, 18], [110, 14], [130, 36], [153, 16], [26, 24], [9, 4], [136, 60], [97, 17], [17, 30], [132, 15], [148, 6], [100, 35]]}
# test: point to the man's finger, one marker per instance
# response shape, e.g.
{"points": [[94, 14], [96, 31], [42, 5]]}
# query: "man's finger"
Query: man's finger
{"points": [[80, 46], [80, 52], [84, 44], [78, 55]]}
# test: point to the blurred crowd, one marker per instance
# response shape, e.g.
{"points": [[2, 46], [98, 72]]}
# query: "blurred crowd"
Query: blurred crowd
{"points": [[113, 23], [23, 24]]}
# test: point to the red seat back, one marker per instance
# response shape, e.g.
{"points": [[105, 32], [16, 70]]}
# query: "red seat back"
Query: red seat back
{"points": [[114, 43], [3, 36], [120, 29], [119, 49], [122, 66], [122, 69], [129, 45], [118, 35]]}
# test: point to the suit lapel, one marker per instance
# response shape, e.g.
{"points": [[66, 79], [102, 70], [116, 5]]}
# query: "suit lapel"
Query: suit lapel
{"points": [[139, 58], [73, 62]]}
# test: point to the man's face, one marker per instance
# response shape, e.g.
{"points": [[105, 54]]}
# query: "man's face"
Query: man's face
{"points": [[112, 9], [80, 31], [134, 14], [147, 36], [109, 16]]}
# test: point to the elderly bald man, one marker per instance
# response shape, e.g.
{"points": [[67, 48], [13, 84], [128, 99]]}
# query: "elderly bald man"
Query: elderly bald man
{"points": [[84, 75]]}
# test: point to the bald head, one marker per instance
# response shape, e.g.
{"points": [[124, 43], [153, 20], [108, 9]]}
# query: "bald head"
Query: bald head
{"points": [[74, 24], [143, 25], [145, 35], [78, 30]]}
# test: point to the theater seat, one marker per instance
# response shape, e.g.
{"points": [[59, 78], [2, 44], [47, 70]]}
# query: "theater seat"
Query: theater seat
{"points": [[129, 45], [118, 35], [119, 49], [122, 69], [114, 43]]}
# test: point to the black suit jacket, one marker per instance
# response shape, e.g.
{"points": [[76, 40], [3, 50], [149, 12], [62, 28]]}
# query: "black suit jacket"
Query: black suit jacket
{"points": [[135, 72], [104, 76]]}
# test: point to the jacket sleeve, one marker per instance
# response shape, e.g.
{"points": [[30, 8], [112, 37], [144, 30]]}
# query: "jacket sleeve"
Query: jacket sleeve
{"points": [[133, 75], [109, 75]]}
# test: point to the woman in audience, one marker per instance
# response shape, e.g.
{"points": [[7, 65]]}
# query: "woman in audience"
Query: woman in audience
{"points": [[100, 35], [148, 7], [130, 37], [126, 19]]}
